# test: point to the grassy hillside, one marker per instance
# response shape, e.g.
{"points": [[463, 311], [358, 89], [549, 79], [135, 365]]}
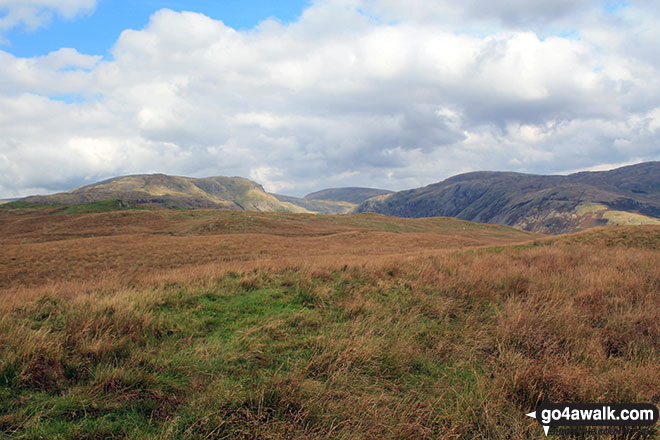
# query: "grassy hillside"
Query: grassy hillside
{"points": [[181, 192], [349, 194], [547, 204], [22, 207], [160, 190], [213, 324]]}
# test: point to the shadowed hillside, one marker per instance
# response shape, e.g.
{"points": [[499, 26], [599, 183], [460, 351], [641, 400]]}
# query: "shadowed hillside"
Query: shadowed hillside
{"points": [[548, 204]]}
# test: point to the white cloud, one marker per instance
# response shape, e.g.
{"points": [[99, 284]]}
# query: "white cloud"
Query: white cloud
{"points": [[269, 177], [343, 96], [33, 14], [478, 16]]}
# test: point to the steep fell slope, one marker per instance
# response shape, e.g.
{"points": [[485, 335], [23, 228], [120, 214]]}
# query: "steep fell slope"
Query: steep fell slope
{"points": [[548, 204], [175, 192]]}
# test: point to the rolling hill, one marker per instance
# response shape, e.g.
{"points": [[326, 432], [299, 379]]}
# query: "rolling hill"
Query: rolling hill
{"points": [[187, 193], [548, 204], [218, 192]]}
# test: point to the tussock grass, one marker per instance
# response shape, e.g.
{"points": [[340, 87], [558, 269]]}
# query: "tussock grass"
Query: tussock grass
{"points": [[436, 344]]}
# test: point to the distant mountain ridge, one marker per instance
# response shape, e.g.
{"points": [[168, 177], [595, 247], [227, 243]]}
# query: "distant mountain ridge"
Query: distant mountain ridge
{"points": [[191, 193], [318, 206], [355, 195], [175, 192], [548, 204]]}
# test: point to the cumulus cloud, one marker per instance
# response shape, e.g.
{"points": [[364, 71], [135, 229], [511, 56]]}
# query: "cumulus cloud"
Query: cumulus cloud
{"points": [[33, 14], [373, 93], [510, 13]]}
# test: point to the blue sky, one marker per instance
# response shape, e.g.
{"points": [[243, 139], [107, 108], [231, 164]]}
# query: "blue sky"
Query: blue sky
{"points": [[393, 94], [95, 33]]}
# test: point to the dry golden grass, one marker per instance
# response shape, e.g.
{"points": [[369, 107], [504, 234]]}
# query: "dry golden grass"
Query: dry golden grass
{"points": [[39, 249], [282, 326]]}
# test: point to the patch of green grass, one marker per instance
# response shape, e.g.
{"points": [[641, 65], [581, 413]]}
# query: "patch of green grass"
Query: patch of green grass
{"points": [[19, 204], [116, 370], [59, 208], [629, 218], [589, 208], [450, 346], [97, 207], [186, 357]]}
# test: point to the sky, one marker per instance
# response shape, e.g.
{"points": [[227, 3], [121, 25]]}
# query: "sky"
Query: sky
{"points": [[310, 94]]}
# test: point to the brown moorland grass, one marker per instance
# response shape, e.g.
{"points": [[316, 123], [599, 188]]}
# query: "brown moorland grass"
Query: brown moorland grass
{"points": [[40, 249], [386, 335]]}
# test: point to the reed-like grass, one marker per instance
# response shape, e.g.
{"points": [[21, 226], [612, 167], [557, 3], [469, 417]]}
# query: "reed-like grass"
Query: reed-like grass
{"points": [[452, 343]]}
